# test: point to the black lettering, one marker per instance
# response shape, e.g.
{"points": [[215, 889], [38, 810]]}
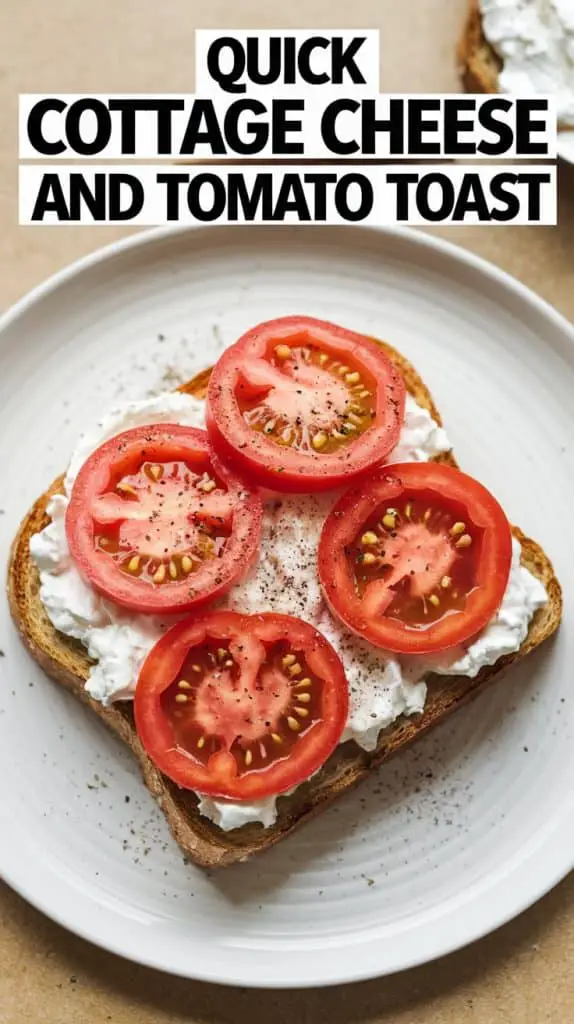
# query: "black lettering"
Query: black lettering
{"points": [[163, 109], [282, 125], [503, 132], [371, 126], [127, 110], [50, 199], [402, 181], [511, 209], [329, 127], [93, 197], [196, 133], [103, 126], [526, 126], [344, 60], [254, 72], [291, 199], [259, 132], [417, 125], [534, 180], [228, 80], [447, 196], [453, 125], [304, 61], [132, 188], [199, 209], [319, 183], [342, 197], [34, 128], [289, 60], [471, 199], [172, 183], [239, 197]]}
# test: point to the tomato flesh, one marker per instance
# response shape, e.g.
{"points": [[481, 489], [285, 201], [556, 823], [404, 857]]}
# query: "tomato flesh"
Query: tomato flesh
{"points": [[241, 707], [156, 523], [305, 399], [418, 560], [301, 404]]}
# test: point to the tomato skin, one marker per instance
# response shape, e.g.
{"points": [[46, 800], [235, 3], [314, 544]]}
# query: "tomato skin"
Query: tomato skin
{"points": [[347, 519], [164, 442], [163, 665], [285, 469]]}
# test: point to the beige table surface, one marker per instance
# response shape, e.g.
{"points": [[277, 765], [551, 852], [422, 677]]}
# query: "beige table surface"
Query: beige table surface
{"points": [[525, 972]]}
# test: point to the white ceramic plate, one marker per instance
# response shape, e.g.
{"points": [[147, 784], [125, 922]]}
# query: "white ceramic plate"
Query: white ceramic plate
{"points": [[452, 838]]}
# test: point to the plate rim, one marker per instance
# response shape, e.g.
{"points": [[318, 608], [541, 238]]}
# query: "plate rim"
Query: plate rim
{"points": [[355, 972]]}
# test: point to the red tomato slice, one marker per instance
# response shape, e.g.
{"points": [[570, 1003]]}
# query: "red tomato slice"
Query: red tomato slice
{"points": [[417, 559], [241, 706], [303, 405], [157, 523]]}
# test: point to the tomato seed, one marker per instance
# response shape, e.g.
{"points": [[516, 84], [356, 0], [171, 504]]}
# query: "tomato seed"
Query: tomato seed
{"points": [[457, 528], [369, 538], [464, 542], [126, 489], [319, 441]]}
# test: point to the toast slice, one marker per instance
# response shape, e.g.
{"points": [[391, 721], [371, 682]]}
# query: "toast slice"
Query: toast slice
{"points": [[202, 841], [479, 63]]}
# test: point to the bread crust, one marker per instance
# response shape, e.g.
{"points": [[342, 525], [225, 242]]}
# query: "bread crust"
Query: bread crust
{"points": [[479, 64], [65, 660]]}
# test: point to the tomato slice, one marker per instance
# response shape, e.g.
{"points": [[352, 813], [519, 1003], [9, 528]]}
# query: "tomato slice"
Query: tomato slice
{"points": [[241, 706], [158, 524], [417, 559], [303, 405]]}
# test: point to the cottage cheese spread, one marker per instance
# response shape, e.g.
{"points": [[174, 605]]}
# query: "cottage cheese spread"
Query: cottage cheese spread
{"points": [[285, 580], [535, 40]]}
